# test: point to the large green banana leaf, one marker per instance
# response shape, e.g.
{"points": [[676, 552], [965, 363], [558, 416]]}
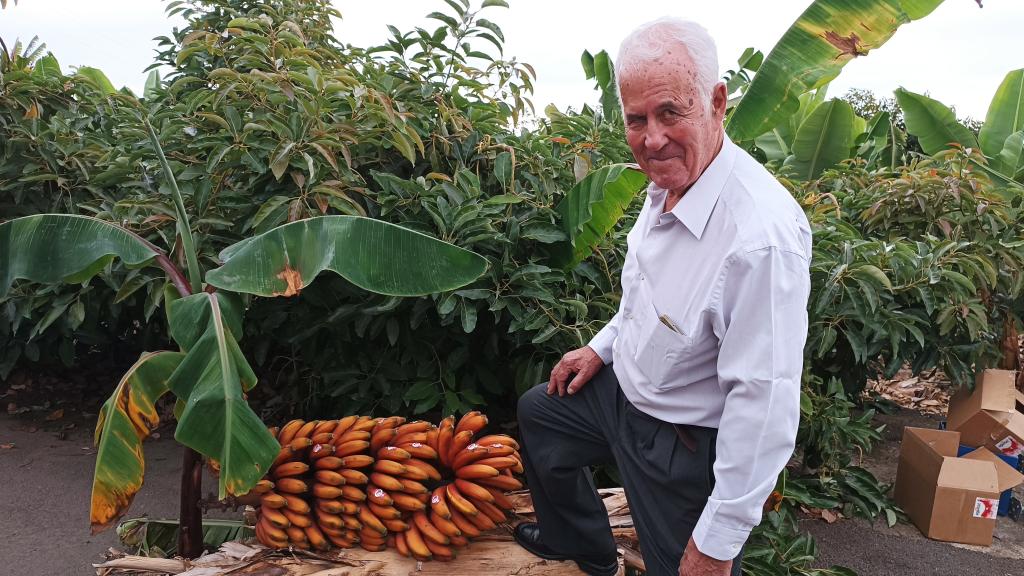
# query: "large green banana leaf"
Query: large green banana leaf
{"points": [[592, 207], [813, 51], [216, 420], [934, 123], [52, 248], [777, 143], [372, 254], [125, 420], [1010, 161], [824, 139], [1005, 114]]}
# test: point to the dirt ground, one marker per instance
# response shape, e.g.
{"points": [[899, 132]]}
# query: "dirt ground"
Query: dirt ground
{"points": [[47, 469]]}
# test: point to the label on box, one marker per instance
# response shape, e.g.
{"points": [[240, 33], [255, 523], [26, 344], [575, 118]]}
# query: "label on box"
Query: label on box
{"points": [[986, 507], [1011, 447]]}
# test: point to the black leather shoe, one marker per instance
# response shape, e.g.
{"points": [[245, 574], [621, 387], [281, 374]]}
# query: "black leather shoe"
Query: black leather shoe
{"points": [[527, 535]]}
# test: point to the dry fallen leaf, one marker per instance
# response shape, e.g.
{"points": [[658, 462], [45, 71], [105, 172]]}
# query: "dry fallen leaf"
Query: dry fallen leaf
{"points": [[7, 446], [55, 415]]}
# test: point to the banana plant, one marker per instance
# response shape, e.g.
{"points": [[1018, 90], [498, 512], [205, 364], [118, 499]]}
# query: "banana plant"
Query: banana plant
{"points": [[824, 139], [1001, 138], [814, 50], [591, 209], [208, 374]]}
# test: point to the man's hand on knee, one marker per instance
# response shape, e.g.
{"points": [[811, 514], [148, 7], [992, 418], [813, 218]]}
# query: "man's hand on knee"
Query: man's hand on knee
{"points": [[696, 563], [574, 370]]}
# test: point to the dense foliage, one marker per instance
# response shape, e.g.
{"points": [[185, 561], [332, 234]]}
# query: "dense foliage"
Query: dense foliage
{"points": [[267, 119]]}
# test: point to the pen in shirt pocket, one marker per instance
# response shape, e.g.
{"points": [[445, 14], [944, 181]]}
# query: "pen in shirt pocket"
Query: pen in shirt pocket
{"points": [[668, 322]]}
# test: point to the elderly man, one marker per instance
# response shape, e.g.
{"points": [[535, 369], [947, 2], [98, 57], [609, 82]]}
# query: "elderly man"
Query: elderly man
{"points": [[693, 388]]}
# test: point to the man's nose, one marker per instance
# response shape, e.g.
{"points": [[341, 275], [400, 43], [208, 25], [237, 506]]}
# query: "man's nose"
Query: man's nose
{"points": [[655, 138]]}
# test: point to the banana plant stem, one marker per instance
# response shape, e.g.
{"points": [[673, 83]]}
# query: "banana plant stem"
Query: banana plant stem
{"points": [[184, 228]]}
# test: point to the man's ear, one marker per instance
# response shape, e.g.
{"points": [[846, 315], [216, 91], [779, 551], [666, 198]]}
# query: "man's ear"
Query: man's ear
{"points": [[719, 100]]}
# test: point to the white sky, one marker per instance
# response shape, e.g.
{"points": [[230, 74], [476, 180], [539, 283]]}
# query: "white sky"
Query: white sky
{"points": [[958, 55]]}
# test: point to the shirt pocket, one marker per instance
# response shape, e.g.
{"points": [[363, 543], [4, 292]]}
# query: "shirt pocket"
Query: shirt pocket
{"points": [[661, 354]]}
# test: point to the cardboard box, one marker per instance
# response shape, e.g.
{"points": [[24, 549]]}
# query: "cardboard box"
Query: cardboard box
{"points": [[991, 415], [949, 498]]}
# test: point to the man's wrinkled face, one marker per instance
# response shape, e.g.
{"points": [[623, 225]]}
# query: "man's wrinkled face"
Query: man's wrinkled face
{"points": [[673, 132]]}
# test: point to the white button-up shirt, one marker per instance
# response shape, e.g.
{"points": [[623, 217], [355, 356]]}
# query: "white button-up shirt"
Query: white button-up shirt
{"points": [[711, 329]]}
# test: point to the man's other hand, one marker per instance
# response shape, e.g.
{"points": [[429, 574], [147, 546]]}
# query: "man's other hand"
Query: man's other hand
{"points": [[696, 563], [582, 362]]}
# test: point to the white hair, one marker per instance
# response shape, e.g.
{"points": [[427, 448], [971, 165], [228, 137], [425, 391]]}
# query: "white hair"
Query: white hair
{"points": [[651, 41]]}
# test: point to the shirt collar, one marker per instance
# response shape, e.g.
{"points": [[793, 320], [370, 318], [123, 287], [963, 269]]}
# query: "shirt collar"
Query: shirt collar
{"points": [[694, 209]]}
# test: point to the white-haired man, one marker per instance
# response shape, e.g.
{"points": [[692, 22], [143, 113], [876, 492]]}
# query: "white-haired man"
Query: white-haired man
{"points": [[693, 388]]}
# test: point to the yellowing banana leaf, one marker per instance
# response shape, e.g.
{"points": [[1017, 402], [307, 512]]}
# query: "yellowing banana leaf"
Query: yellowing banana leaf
{"points": [[125, 420], [1005, 114], [372, 254], [52, 248], [934, 123], [812, 52], [592, 207], [824, 139], [217, 421]]}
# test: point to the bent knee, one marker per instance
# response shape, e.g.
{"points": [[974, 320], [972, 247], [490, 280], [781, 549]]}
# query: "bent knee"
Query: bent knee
{"points": [[529, 402]]}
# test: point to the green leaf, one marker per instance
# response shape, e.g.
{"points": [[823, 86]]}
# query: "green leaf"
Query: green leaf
{"points": [[824, 139], [1005, 114], [503, 168], [503, 199], [873, 272], [592, 208], [149, 537], [97, 78], [51, 248], [812, 52], [544, 232], [152, 87], [245, 24], [47, 67], [402, 143], [1010, 160], [216, 421], [451, 22], [280, 160], [374, 255], [933, 123], [420, 391], [501, 3], [469, 316], [125, 420]]}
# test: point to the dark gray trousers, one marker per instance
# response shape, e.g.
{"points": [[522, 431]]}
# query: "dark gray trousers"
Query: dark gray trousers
{"points": [[667, 485]]}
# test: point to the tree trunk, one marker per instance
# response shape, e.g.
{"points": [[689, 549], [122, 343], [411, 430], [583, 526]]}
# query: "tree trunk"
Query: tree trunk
{"points": [[190, 534], [1010, 345]]}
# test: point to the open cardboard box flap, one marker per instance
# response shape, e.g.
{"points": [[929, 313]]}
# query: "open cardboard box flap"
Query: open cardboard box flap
{"points": [[1006, 476], [990, 415]]}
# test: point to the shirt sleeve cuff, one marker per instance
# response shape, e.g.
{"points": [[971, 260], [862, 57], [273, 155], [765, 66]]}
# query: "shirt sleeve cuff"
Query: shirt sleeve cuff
{"points": [[602, 342], [716, 540]]}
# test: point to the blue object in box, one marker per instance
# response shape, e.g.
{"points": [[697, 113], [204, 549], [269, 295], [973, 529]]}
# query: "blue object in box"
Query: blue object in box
{"points": [[1004, 498]]}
